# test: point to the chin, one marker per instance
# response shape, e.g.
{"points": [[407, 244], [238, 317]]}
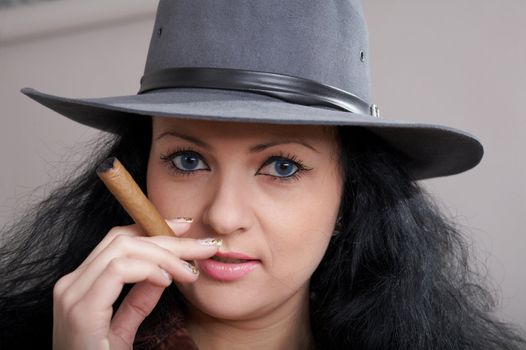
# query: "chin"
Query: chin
{"points": [[231, 301]]}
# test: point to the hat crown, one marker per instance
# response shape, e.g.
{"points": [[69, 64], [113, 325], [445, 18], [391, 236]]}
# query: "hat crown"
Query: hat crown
{"points": [[325, 41]]}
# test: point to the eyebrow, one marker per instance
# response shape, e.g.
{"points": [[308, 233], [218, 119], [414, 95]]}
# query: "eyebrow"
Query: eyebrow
{"points": [[253, 149]]}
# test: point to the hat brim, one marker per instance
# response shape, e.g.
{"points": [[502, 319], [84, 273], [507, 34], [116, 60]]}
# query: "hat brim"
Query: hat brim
{"points": [[433, 150]]}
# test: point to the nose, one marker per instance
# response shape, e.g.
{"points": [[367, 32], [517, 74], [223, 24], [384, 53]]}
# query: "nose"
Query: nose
{"points": [[228, 210]]}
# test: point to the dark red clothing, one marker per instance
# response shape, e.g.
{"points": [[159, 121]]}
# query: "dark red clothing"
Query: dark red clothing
{"points": [[167, 335]]}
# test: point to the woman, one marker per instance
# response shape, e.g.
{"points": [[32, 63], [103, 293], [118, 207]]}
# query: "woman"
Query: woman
{"points": [[308, 229]]}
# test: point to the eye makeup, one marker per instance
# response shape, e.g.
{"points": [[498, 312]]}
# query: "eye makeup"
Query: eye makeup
{"points": [[288, 161], [167, 159]]}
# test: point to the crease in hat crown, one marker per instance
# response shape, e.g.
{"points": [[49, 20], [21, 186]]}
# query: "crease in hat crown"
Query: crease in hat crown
{"points": [[323, 41]]}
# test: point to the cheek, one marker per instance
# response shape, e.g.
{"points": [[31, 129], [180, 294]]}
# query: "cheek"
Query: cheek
{"points": [[171, 198], [311, 210], [302, 227]]}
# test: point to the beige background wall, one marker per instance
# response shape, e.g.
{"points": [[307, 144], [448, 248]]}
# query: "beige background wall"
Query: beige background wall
{"points": [[456, 62]]}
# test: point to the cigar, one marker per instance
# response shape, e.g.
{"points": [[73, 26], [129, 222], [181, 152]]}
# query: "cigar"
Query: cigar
{"points": [[129, 194]]}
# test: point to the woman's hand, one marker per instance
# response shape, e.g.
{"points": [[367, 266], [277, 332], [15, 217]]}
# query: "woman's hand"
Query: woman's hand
{"points": [[83, 299]]}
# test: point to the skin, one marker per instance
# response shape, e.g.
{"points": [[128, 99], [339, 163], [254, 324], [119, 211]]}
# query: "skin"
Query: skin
{"points": [[285, 224], [233, 194]]}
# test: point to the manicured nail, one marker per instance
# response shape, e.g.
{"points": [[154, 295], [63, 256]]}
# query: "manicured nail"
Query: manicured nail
{"points": [[210, 242], [191, 267], [182, 219]]}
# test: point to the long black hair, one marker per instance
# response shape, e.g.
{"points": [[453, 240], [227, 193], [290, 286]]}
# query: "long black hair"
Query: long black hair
{"points": [[395, 277], [398, 274]]}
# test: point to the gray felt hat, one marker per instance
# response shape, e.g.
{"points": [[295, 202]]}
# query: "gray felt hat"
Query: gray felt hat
{"points": [[268, 61]]}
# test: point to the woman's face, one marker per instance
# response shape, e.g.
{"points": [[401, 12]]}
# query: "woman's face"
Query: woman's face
{"points": [[270, 192]]}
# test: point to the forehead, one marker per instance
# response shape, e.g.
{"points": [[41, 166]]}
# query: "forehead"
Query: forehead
{"points": [[226, 129]]}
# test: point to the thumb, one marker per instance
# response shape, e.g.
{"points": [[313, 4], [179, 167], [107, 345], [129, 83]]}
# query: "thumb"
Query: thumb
{"points": [[139, 302]]}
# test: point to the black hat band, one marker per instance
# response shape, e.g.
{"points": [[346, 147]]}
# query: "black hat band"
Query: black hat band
{"points": [[288, 88]]}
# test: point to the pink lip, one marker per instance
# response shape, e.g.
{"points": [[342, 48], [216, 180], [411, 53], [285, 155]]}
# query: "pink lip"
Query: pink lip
{"points": [[228, 271]]}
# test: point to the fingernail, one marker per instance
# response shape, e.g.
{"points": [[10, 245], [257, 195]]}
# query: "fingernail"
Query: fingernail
{"points": [[166, 275], [210, 242], [182, 219], [191, 267]]}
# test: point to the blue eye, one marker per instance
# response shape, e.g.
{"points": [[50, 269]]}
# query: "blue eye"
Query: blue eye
{"points": [[280, 167], [188, 161], [283, 168]]}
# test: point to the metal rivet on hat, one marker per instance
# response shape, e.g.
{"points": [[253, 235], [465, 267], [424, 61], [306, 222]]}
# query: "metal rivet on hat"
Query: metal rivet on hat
{"points": [[362, 56], [375, 111]]}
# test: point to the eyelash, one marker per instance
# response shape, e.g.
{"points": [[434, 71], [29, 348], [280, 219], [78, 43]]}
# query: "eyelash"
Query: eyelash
{"points": [[291, 158], [301, 168], [168, 157]]}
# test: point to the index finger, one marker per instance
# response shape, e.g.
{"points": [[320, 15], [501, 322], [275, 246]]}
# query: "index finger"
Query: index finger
{"points": [[178, 227]]}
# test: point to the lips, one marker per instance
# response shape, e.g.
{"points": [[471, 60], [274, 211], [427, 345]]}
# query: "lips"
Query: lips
{"points": [[229, 266], [228, 260], [225, 256]]}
